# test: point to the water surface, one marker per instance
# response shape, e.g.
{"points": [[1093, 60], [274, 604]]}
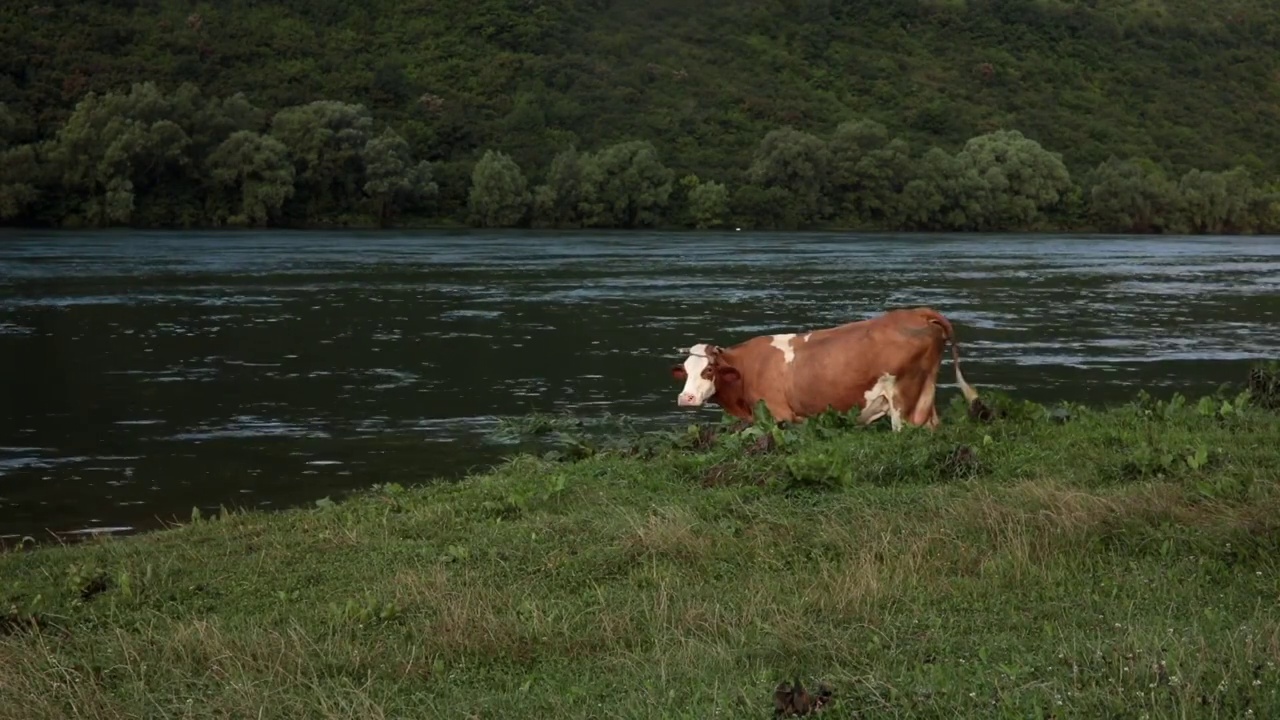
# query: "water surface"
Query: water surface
{"points": [[143, 374]]}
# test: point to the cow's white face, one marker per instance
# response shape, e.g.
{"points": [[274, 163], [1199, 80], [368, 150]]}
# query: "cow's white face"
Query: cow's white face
{"points": [[700, 371], [699, 382]]}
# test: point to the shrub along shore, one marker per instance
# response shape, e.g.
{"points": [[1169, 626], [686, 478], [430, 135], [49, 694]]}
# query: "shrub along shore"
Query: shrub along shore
{"points": [[1046, 562]]}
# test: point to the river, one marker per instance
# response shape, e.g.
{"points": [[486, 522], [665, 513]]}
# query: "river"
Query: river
{"points": [[146, 373]]}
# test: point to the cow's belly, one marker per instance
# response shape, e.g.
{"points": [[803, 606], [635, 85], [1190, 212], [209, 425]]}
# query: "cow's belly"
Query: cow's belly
{"points": [[813, 387], [815, 394], [809, 405]]}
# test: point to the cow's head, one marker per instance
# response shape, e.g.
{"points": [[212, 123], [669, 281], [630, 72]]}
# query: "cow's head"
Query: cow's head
{"points": [[704, 372]]}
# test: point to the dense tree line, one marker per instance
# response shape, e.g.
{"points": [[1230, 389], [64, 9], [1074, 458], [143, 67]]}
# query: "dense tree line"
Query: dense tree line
{"points": [[860, 177], [1164, 87], [149, 158]]}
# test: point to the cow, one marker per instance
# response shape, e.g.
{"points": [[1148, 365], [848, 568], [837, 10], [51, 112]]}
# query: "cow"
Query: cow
{"points": [[886, 365]]}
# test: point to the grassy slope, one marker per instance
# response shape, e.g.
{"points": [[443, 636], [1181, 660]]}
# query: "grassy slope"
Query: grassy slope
{"points": [[1179, 81], [1122, 564]]}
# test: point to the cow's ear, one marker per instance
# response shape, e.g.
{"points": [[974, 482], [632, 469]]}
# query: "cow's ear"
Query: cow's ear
{"points": [[678, 372], [728, 373]]}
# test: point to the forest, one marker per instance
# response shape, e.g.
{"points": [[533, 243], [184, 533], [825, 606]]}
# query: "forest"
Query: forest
{"points": [[931, 115]]}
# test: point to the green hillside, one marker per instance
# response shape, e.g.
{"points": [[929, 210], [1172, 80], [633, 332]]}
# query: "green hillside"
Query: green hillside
{"points": [[649, 94]]}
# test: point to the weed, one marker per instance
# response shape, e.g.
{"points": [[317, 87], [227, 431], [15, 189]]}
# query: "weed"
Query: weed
{"points": [[1264, 384], [525, 495], [364, 610]]}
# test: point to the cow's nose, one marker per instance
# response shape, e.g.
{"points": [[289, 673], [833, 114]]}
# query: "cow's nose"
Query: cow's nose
{"points": [[687, 399]]}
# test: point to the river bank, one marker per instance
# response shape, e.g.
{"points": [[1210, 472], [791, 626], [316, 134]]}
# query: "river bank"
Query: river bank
{"points": [[1063, 561], [432, 223]]}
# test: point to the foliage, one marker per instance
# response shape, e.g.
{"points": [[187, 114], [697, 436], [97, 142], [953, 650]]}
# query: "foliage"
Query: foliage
{"points": [[1132, 195], [876, 114], [258, 167], [797, 167], [567, 198], [499, 192], [631, 185], [1020, 182], [394, 181], [985, 569], [708, 203]]}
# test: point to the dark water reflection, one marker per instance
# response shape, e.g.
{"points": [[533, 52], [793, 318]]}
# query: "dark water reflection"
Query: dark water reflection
{"points": [[144, 373]]}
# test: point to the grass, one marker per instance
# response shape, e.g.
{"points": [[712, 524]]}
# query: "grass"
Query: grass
{"points": [[1052, 563]]}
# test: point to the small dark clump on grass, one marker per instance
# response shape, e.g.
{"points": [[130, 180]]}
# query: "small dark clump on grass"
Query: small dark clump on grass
{"points": [[1054, 562], [1264, 384], [794, 700]]}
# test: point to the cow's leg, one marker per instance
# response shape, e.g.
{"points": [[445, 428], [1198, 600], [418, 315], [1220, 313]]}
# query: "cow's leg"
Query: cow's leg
{"points": [[925, 411], [781, 412], [895, 410]]}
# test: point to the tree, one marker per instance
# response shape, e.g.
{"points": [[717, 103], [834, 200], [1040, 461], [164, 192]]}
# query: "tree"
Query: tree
{"points": [[1131, 196], [848, 145], [945, 194], [762, 208], [116, 145], [258, 167], [880, 179], [209, 121], [708, 203], [1022, 180], [20, 172], [798, 164], [1264, 211], [392, 180], [8, 124], [567, 199], [499, 193], [326, 141], [1211, 202], [629, 185]]}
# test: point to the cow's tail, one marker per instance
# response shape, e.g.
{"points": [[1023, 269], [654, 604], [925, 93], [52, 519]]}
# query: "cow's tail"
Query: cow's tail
{"points": [[935, 317]]}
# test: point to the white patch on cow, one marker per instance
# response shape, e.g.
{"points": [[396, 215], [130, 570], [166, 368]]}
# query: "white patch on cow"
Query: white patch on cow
{"points": [[884, 395], [783, 343], [807, 336], [696, 388]]}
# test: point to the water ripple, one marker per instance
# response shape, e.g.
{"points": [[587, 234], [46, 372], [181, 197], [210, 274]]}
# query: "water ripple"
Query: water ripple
{"points": [[146, 373]]}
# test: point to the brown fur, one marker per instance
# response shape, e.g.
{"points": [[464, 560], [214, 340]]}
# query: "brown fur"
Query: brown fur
{"points": [[836, 367]]}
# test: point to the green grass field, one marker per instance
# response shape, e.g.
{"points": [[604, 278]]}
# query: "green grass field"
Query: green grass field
{"points": [[1052, 563]]}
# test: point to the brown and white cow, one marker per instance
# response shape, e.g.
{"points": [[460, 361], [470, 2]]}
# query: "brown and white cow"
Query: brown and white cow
{"points": [[886, 365]]}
